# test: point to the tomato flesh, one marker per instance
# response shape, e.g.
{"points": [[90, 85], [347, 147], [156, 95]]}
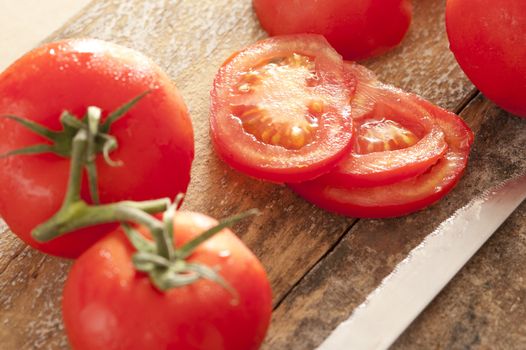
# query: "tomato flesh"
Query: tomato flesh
{"points": [[382, 135], [155, 137], [395, 137], [403, 197], [108, 305], [280, 111], [270, 118]]}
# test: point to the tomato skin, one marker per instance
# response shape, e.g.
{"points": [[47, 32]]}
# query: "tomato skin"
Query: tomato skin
{"points": [[155, 137], [356, 29], [488, 39], [108, 305], [244, 152], [403, 197]]}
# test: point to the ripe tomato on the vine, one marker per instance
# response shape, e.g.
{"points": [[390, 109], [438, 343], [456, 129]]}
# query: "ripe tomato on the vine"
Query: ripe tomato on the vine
{"points": [[155, 138], [488, 39], [357, 29], [108, 305]]}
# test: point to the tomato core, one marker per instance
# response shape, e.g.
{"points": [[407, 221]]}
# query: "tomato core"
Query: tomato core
{"points": [[266, 114], [382, 135]]}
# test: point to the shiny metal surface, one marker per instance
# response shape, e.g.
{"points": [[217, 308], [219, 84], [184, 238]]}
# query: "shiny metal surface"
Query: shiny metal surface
{"points": [[403, 294]]}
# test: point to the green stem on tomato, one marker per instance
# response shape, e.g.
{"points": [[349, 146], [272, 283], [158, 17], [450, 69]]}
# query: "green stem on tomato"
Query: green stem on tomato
{"points": [[76, 213], [81, 140], [156, 227], [166, 266], [79, 215], [78, 158], [168, 223], [189, 247], [93, 122]]}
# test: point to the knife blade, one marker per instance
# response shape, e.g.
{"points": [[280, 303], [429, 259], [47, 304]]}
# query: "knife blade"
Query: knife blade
{"points": [[415, 281]]}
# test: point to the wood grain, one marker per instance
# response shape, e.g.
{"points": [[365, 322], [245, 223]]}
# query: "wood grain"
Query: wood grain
{"points": [[31, 286], [190, 39]]}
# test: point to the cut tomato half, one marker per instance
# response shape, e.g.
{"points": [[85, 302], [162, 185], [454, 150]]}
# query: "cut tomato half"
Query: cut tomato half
{"points": [[395, 137], [406, 196], [280, 111]]}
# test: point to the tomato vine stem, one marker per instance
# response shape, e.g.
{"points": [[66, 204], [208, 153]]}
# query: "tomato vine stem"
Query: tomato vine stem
{"points": [[75, 213], [81, 140], [93, 122], [166, 266]]}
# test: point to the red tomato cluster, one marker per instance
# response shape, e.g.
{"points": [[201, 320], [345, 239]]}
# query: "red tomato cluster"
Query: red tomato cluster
{"points": [[108, 302], [288, 109]]}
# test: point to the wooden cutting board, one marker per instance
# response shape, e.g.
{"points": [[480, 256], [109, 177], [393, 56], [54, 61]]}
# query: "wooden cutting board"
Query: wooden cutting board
{"points": [[320, 265]]}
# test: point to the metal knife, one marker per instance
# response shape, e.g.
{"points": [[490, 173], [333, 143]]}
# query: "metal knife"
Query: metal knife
{"points": [[404, 294]]}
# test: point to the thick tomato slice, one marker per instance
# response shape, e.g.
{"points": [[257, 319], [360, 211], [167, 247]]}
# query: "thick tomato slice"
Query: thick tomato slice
{"points": [[279, 109], [406, 196], [395, 137]]}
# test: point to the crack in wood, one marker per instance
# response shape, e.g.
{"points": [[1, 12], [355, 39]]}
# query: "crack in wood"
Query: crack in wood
{"points": [[464, 103], [13, 258], [319, 261]]}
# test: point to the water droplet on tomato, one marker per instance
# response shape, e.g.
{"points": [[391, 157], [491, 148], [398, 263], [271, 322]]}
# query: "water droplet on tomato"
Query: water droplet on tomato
{"points": [[106, 254], [225, 253]]}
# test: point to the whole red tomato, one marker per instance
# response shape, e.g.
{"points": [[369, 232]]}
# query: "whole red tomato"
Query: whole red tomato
{"points": [[108, 305], [357, 29], [488, 39], [155, 137]]}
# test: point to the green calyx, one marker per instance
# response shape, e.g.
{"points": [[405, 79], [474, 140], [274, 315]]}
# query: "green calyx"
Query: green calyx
{"points": [[82, 140], [60, 142], [170, 268]]}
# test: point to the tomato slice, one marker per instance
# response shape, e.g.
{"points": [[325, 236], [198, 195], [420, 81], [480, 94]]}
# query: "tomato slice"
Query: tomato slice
{"points": [[279, 109], [395, 137], [406, 196]]}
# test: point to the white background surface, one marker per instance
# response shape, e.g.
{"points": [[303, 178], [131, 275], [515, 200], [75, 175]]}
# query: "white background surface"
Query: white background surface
{"points": [[24, 23]]}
